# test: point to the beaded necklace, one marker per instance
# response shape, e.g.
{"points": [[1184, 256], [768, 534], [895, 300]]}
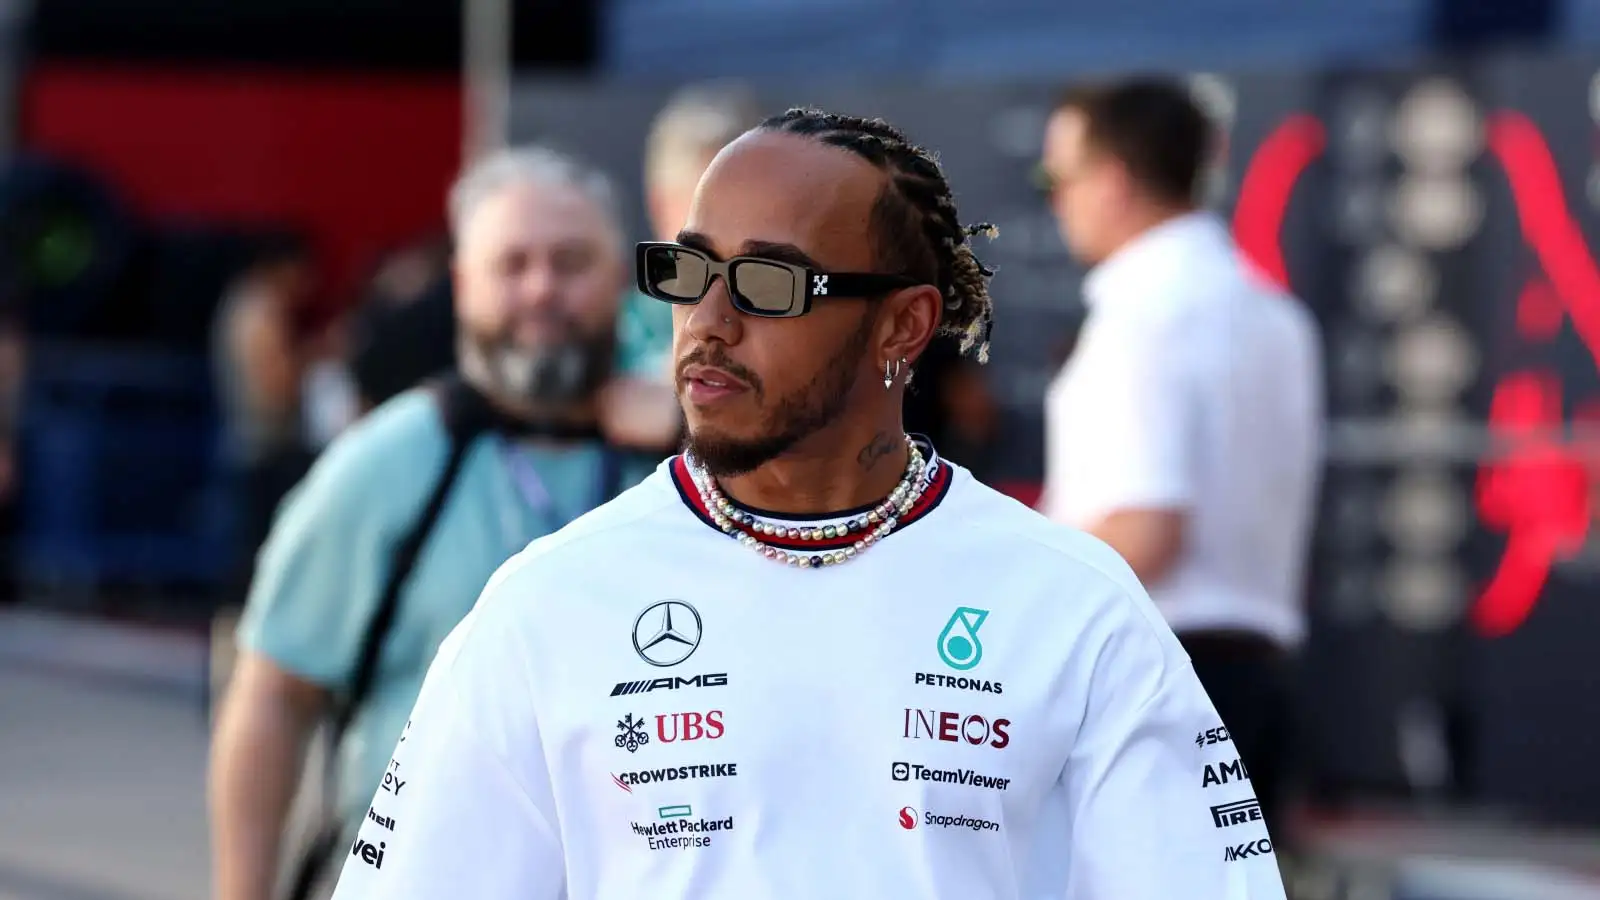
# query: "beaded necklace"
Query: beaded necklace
{"points": [[873, 526]]}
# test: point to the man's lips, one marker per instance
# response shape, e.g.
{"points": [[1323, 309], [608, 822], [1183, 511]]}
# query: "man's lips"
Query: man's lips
{"points": [[705, 384]]}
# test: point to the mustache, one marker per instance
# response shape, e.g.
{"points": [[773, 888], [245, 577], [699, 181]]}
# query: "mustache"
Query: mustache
{"points": [[719, 359]]}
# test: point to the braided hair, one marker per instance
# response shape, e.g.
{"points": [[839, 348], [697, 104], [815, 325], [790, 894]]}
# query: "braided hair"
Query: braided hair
{"points": [[914, 221]]}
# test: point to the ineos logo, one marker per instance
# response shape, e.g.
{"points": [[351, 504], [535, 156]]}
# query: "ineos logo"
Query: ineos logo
{"points": [[666, 633], [956, 728]]}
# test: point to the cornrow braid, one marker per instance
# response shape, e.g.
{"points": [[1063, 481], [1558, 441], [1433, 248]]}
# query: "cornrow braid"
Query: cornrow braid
{"points": [[914, 223]]}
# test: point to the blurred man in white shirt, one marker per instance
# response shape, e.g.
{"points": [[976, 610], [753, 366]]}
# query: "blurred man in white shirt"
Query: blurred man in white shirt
{"points": [[1185, 431]]}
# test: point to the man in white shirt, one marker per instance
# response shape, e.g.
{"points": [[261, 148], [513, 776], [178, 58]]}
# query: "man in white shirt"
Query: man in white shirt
{"points": [[809, 658], [1185, 430]]}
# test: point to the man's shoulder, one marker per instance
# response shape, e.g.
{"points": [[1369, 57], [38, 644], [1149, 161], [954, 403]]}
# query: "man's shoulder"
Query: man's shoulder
{"points": [[384, 458], [1020, 541]]}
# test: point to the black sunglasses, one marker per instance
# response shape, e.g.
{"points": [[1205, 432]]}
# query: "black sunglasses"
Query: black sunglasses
{"points": [[758, 286]]}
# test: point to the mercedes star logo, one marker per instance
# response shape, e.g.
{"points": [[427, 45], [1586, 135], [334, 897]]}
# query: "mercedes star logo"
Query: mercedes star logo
{"points": [[666, 633]]}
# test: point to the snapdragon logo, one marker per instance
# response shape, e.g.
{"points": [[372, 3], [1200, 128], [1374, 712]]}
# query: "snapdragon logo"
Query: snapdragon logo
{"points": [[909, 821], [677, 828]]}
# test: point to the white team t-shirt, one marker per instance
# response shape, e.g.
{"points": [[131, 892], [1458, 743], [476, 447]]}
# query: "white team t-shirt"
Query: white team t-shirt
{"points": [[983, 705]]}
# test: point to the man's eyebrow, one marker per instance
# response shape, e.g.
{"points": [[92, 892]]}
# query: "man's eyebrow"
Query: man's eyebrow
{"points": [[697, 241], [780, 252], [773, 250]]}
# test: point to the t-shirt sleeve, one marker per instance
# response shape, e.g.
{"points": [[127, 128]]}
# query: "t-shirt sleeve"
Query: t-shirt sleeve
{"points": [[1161, 807], [1133, 435], [465, 808], [319, 574]]}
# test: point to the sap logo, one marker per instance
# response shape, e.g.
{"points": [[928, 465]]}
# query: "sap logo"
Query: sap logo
{"points": [[1246, 851], [1230, 814], [371, 854], [1212, 736], [391, 779], [691, 726], [668, 684], [1232, 771], [385, 822], [955, 728]]}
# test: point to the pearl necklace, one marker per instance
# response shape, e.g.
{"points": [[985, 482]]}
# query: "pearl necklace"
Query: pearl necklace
{"points": [[872, 526]]}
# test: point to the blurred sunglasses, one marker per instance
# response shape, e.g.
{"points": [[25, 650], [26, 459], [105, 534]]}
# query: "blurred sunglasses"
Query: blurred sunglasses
{"points": [[759, 287]]}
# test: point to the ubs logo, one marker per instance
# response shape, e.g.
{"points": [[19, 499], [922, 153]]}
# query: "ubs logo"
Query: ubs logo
{"points": [[690, 726], [955, 728]]}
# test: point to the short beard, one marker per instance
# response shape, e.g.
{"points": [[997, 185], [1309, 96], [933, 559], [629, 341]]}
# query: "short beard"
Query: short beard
{"points": [[548, 377], [795, 418]]}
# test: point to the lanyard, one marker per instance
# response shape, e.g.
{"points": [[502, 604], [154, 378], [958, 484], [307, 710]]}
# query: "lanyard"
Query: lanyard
{"points": [[536, 496]]}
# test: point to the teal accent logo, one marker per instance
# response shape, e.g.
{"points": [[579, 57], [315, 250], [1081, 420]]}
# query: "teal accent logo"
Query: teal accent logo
{"points": [[959, 646], [674, 812]]}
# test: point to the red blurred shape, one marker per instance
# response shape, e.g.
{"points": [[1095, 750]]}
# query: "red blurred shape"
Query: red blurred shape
{"points": [[361, 161], [1547, 224], [1538, 494], [1539, 311], [1265, 190]]}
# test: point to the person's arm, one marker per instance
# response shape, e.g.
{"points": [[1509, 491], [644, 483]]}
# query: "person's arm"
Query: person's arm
{"points": [[1141, 439], [316, 584], [466, 808], [257, 755], [1161, 807]]}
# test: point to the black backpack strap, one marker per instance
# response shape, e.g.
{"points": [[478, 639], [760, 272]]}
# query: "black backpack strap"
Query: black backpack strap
{"points": [[465, 414]]}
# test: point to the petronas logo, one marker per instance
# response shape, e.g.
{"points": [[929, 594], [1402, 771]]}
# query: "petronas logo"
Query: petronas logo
{"points": [[959, 646]]}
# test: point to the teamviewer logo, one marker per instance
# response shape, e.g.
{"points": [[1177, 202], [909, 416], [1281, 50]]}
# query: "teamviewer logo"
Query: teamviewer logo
{"points": [[901, 772]]}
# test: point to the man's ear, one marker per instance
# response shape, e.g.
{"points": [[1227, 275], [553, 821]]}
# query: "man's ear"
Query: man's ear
{"points": [[909, 319]]}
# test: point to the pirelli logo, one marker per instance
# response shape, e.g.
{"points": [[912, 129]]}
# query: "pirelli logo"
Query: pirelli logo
{"points": [[628, 688], [1242, 812]]}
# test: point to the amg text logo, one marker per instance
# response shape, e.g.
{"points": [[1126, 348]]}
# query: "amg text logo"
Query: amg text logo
{"points": [[1224, 773], [1246, 851], [1230, 814], [626, 688], [956, 728]]}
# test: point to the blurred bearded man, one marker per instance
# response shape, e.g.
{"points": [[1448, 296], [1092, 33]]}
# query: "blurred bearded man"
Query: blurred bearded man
{"points": [[386, 544]]}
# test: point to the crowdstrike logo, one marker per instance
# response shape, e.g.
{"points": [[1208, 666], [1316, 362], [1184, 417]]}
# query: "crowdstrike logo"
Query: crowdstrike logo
{"points": [[627, 780]]}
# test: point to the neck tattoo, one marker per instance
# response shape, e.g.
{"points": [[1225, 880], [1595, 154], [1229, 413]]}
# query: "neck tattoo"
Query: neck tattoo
{"points": [[870, 527]]}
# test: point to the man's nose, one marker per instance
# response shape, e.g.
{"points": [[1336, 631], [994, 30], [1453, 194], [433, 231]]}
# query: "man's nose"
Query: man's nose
{"points": [[715, 317]]}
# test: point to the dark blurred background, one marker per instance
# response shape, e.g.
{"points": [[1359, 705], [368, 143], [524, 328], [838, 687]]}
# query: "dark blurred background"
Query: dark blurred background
{"points": [[1422, 173]]}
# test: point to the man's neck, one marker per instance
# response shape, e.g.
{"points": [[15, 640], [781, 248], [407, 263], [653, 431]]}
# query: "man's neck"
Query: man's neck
{"points": [[831, 474], [571, 414]]}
